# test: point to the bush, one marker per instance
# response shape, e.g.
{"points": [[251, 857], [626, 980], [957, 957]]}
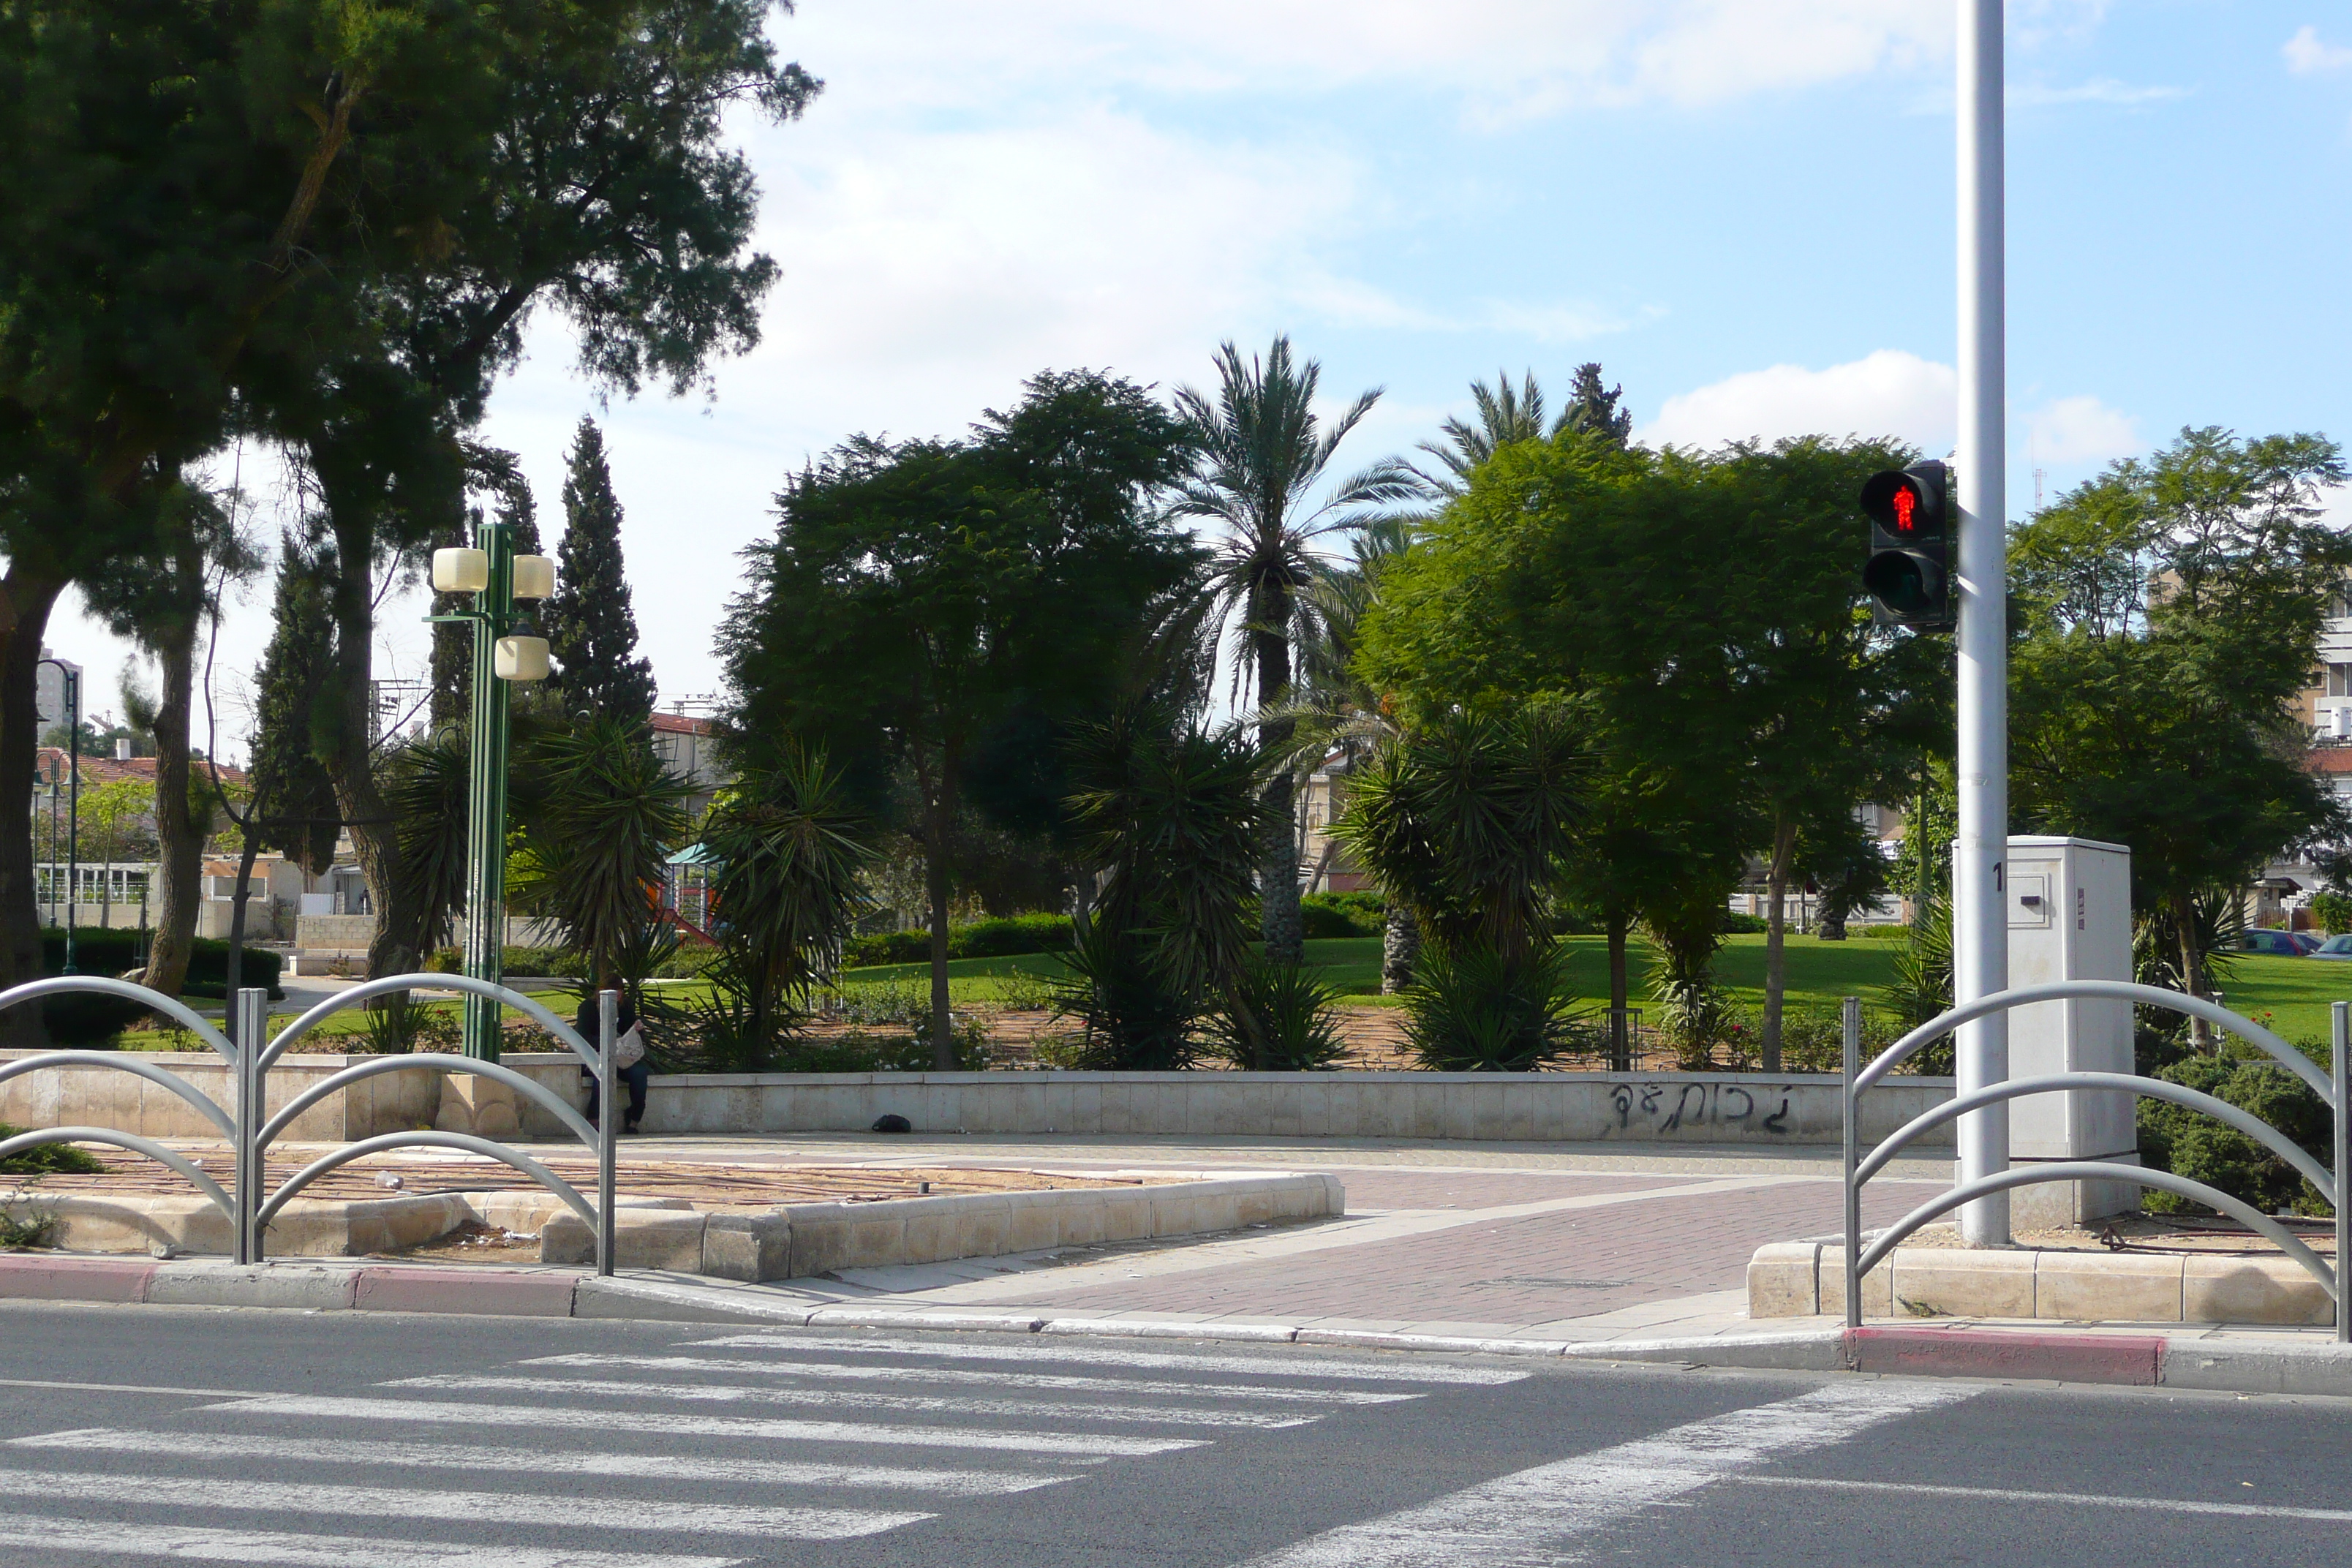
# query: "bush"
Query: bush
{"points": [[103, 950], [1471, 1010], [1136, 1020], [1278, 1019], [46, 1159], [1735, 923], [530, 963], [1322, 916], [1002, 938], [2176, 1138], [2333, 910]]}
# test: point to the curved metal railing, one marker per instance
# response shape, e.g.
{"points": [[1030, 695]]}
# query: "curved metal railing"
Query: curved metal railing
{"points": [[2332, 1088], [250, 1061], [598, 1058]]}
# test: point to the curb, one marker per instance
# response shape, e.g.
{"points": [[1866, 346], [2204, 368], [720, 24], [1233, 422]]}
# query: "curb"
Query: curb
{"points": [[2184, 1361]]}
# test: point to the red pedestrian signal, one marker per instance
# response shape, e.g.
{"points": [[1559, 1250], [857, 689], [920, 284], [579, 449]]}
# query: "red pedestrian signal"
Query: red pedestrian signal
{"points": [[1908, 573]]}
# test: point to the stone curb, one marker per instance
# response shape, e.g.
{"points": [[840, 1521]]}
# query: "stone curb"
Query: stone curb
{"points": [[2186, 1360]]}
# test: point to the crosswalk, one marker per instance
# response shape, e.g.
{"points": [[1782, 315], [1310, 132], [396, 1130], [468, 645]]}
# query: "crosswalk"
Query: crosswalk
{"points": [[740, 1448]]}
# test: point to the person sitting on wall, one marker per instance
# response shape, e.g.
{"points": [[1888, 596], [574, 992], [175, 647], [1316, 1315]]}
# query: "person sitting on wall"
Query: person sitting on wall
{"points": [[628, 1059]]}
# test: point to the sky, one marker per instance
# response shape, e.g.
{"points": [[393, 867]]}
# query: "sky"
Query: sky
{"points": [[1744, 209]]}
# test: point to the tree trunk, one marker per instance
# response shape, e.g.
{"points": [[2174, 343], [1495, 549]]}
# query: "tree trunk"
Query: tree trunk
{"points": [[179, 827], [1620, 1041], [935, 895], [348, 754], [2192, 965], [1278, 868], [235, 971], [26, 600], [1776, 955], [1400, 950]]}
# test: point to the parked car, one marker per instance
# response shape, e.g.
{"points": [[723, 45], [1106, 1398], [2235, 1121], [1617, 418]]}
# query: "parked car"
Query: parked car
{"points": [[2335, 947], [2278, 943], [2309, 941]]}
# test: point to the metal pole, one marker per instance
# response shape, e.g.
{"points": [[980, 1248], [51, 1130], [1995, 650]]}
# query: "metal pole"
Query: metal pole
{"points": [[1852, 1158], [1979, 926], [252, 1007], [73, 807], [608, 1079], [2343, 1081], [486, 803]]}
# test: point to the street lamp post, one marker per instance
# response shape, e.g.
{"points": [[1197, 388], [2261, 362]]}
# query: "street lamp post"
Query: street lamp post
{"points": [[73, 808], [497, 577]]}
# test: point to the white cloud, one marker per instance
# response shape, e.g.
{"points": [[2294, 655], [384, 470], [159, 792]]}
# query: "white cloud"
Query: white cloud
{"points": [[1508, 60], [2099, 89], [2305, 55], [2080, 430], [1889, 393]]}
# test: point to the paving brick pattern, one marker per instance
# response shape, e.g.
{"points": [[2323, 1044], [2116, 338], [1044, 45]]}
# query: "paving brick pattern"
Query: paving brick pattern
{"points": [[1535, 1269]]}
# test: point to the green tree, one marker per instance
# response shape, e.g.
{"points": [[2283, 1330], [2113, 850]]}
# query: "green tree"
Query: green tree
{"points": [[2172, 609], [920, 601], [1592, 408], [117, 825], [1261, 453], [591, 630]]}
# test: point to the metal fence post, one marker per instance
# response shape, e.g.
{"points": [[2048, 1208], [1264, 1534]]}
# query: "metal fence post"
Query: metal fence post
{"points": [[253, 1108], [2341, 1018], [1852, 1042], [608, 1081]]}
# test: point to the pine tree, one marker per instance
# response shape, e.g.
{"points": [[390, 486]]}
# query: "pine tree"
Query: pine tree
{"points": [[590, 632], [1594, 407], [293, 806]]}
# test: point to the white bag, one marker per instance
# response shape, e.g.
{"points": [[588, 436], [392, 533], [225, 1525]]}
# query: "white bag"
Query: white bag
{"points": [[628, 1050]]}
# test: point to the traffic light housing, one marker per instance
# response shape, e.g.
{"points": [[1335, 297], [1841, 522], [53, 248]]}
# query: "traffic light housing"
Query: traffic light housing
{"points": [[1909, 573]]}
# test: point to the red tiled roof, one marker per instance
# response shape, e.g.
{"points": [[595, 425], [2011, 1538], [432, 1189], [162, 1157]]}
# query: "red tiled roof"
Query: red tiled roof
{"points": [[2331, 759], [107, 770], [680, 724]]}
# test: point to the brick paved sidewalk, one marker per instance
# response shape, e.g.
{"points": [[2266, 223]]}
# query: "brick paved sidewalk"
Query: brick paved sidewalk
{"points": [[1577, 1241]]}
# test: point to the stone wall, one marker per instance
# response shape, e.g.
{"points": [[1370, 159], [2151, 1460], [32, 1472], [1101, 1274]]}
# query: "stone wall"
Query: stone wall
{"points": [[107, 1097], [1718, 1108]]}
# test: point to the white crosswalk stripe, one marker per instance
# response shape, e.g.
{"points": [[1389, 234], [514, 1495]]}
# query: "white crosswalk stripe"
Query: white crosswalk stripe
{"points": [[469, 1457], [988, 1440], [849, 1399], [435, 1502], [642, 1486], [1075, 1353], [278, 1549], [970, 1378]]}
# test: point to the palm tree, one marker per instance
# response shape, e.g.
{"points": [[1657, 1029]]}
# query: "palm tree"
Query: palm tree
{"points": [[1260, 452], [1508, 413]]}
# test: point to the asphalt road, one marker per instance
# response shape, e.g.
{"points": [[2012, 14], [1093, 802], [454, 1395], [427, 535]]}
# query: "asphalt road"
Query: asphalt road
{"points": [[142, 1434]]}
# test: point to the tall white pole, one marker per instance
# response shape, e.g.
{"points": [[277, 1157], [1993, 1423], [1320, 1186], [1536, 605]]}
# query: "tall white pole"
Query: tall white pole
{"points": [[1979, 913]]}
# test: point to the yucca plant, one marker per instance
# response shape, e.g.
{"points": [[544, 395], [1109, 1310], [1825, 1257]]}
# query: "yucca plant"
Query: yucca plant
{"points": [[1466, 822], [603, 818], [1277, 1018], [790, 851]]}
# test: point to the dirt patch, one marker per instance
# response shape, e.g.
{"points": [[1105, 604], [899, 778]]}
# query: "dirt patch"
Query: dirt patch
{"points": [[2166, 1233], [409, 1175]]}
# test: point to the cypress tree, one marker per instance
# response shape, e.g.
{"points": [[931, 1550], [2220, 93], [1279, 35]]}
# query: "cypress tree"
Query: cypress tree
{"points": [[591, 631], [1593, 406], [293, 806]]}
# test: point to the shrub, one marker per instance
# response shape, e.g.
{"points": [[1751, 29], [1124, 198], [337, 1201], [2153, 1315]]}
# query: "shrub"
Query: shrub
{"points": [[45, 1159], [2176, 1138], [2333, 910], [1471, 1009], [103, 950], [399, 1024], [1277, 1017], [1697, 1020], [1136, 1018], [1003, 938], [1325, 915], [26, 1225], [530, 962], [1735, 923]]}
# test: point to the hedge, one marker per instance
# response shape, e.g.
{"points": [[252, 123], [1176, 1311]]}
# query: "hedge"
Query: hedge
{"points": [[102, 950], [981, 939], [1325, 915]]}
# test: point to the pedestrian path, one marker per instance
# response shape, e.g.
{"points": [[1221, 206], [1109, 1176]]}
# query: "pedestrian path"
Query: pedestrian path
{"points": [[726, 1450]]}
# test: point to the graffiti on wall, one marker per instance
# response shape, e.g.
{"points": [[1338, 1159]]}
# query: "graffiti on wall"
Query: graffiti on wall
{"points": [[1663, 1108]]}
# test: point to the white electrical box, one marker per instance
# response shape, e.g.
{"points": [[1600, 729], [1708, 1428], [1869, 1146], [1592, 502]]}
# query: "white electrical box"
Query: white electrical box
{"points": [[2070, 918]]}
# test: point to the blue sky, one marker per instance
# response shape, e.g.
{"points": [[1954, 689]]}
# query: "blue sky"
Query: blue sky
{"points": [[1743, 209]]}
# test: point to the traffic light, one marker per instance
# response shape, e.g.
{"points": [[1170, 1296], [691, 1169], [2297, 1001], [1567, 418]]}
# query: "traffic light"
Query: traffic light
{"points": [[1909, 573]]}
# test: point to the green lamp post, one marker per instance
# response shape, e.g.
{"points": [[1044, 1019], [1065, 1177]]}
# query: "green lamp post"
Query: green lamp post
{"points": [[505, 649]]}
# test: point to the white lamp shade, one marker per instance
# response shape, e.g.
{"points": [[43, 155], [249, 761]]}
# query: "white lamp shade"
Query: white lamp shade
{"points": [[534, 577], [522, 658], [460, 571]]}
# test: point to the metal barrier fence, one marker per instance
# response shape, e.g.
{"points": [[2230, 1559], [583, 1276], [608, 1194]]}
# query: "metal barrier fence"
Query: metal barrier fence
{"points": [[2331, 1089], [249, 1058]]}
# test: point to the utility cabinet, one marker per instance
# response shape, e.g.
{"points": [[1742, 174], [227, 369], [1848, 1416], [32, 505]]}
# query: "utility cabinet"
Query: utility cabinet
{"points": [[2070, 918]]}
